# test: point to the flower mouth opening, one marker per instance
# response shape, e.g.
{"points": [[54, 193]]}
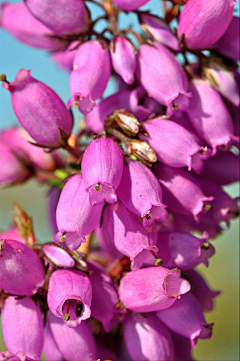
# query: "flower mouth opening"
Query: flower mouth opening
{"points": [[72, 309]]}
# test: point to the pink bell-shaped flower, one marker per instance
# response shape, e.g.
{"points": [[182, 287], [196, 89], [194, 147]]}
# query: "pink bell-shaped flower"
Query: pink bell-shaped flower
{"points": [[102, 167], [39, 109], [104, 296], [162, 77], [202, 24], [90, 75], [58, 255], [21, 270], [123, 58], [74, 344], [175, 145], [228, 45], [210, 116], [186, 318], [130, 5], [182, 193], [138, 294], [70, 296], [158, 30], [19, 22], [63, 17], [75, 216], [140, 191], [182, 250], [147, 338], [22, 326], [50, 348]]}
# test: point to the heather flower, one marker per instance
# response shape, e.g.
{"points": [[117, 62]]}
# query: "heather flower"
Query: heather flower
{"points": [[102, 167], [210, 116], [13, 168], [39, 109], [90, 75], [215, 172], [182, 192], [12, 233], [20, 356], [58, 255], [63, 17], [74, 344], [138, 294], [19, 22], [183, 250], [162, 77], [201, 290], [64, 58], [222, 79], [70, 296], [22, 326], [202, 24], [175, 145], [104, 298], [186, 318], [75, 216], [127, 232], [182, 348], [147, 338], [21, 270], [50, 348], [123, 58], [141, 193], [228, 45], [158, 30], [129, 5]]}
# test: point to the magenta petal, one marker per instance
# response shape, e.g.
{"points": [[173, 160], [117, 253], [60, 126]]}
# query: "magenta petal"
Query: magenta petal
{"points": [[147, 339], [129, 4], [140, 295], [63, 17], [58, 256], [21, 270], [50, 349], [105, 296], [228, 45], [210, 116], [186, 318], [102, 167], [76, 217], [19, 22], [161, 75], [203, 23], [123, 58], [140, 191], [174, 144], [70, 293], [22, 326], [39, 109], [74, 343]]}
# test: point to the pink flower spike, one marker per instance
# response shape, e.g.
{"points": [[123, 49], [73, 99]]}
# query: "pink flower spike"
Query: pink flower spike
{"points": [[186, 318], [70, 296], [140, 295], [102, 167]]}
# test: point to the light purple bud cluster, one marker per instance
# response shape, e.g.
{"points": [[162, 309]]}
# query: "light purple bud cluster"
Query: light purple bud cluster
{"points": [[138, 192]]}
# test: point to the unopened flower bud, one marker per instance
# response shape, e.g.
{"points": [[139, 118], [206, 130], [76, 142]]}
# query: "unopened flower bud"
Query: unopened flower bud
{"points": [[127, 122], [21, 270], [142, 150]]}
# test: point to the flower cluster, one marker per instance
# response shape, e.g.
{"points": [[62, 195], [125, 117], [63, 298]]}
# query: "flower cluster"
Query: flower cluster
{"points": [[135, 194]]}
